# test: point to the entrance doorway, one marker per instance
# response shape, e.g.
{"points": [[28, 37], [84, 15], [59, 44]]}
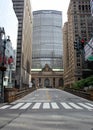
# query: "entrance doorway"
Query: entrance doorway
{"points": [[61, 82], [46, 83]]}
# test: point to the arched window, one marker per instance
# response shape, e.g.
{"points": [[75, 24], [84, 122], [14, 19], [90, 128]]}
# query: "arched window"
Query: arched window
{"points": [[46, 82]]}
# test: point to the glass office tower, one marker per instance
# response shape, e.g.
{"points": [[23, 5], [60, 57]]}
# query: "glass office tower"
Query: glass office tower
{"points": [[47, 39]]}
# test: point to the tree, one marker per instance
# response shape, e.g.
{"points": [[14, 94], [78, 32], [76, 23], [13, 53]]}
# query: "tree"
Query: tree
{"points": [[81, 84]]}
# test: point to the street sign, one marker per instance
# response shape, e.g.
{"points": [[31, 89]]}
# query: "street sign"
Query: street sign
{"points": [[90, 58], [89, 50]]}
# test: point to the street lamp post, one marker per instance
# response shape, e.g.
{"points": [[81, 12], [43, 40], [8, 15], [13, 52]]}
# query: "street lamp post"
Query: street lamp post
{"points": [[2, 67]]}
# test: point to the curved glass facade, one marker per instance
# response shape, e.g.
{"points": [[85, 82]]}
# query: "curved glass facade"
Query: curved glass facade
{"points": [[47, 39]]}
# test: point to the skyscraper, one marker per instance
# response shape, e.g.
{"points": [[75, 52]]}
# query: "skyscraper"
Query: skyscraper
{"points": [[79, 25], [47, 39], [23, 64]]}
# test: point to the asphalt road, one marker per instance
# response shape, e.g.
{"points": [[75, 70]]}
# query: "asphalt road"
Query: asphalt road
{"points": [[47, 109]]}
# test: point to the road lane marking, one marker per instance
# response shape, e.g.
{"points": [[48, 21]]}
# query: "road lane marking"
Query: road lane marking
{"points": [[65, 105], [85, 106], [48, 96], [4, 107], [36, 106], [54, 105], [25, 106], [75, 106], [46, 106], [50, 105], [89, 104], [17, 106]]}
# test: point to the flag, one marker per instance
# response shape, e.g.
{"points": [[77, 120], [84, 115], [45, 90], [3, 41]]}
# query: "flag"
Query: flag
{"points": [[91, 5]]}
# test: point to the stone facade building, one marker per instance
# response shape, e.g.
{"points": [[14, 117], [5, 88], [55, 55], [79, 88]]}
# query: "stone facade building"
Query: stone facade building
{"points": [[47, 77], [79, 24], [47, 52], [24, 41]]}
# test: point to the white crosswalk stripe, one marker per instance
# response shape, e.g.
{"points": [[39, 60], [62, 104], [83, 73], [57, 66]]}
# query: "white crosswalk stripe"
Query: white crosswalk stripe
{"points": [[46, 106], [75, 105], [25, 106], [85, 106], [65, 105], [49, 105], [17, 106], [36, 106], [89, 104], [4, 107], [54, 105]]}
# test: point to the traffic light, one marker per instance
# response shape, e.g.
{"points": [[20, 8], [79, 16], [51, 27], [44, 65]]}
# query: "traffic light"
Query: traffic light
{"points": [[75, 45], [82, 43]]}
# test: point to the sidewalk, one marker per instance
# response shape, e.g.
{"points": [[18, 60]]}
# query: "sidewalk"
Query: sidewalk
{"points": [[2, 104]]}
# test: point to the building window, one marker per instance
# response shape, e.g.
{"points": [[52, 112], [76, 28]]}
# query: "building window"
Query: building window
{"points": [[79, 7], [79, 78], [61, 82], [78, 54], [78, 60], [39, 80], [83, 7], [86, 7], [78, 64], [46, 82], [53, 82]]}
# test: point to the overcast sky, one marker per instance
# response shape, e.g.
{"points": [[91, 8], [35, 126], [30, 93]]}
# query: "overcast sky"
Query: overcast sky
{"points": [[7, 18], [60, 5]]}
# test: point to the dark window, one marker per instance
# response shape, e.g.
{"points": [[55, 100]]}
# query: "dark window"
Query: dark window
{"points": [[39, 80], [61, 82], [82, 7]]}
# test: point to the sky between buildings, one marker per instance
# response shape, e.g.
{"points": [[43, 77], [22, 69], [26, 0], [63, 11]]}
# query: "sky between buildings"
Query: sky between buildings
{"points": [[6, 16], [60, 5], [8, 20]]}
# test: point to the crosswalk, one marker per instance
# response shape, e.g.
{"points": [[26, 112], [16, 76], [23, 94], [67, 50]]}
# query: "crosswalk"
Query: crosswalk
{"points": [[49, 105]]}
